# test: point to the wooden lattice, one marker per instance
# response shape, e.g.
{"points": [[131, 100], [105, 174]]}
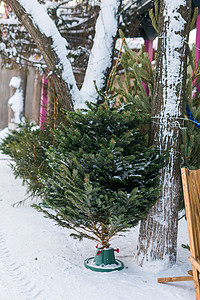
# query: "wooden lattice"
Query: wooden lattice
{"points": [[191, 190]]}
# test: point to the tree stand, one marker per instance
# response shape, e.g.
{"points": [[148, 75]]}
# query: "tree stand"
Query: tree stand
{"points": [[104, 261]]}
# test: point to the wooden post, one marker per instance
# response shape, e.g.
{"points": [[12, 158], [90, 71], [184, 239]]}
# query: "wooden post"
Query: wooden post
{"points": [[16, 101], [189, 191], [148, 47], [44, 101], [36, 97], [174, 279], [11, 125]]}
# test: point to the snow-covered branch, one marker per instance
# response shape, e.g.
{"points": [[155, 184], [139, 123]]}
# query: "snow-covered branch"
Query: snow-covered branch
{"points": [[55, 48], [101, 53], [59, 44]]}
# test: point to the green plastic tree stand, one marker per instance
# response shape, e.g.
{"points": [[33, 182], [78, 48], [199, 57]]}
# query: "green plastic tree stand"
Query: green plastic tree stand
{"points": [[104, 261]]}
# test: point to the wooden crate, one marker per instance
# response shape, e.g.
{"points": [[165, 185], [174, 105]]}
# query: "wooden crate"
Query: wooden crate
{"points": [[191, 191]]}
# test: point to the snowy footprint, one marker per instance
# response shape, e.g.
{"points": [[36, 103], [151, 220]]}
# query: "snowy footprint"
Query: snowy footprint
{"points": [[22, 287]]}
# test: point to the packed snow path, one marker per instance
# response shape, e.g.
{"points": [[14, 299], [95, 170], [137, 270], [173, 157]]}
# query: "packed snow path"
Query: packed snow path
{"points": [[39, 260]]}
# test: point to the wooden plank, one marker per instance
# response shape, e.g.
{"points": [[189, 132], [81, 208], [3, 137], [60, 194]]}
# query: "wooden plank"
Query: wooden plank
{"points": [[174, 279], [5, 76], [190, 272], [191, 192], [184, 174], [190, 181], [195, 218], [195, 263], [194, 210]]}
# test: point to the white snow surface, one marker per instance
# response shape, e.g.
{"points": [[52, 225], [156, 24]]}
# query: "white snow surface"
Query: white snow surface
{"points": [[39, 260]]}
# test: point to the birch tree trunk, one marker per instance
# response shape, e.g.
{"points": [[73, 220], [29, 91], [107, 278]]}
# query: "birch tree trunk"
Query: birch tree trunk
{"points": [[158, 232]]}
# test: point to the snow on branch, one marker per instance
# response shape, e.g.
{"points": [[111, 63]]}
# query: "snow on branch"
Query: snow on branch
{"points": [[47, 27], [101, 53]]}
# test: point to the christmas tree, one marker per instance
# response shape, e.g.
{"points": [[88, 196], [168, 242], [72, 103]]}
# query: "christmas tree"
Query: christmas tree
{"points": [[137, 69], [103, 178], [190, 146], [27, 146]]}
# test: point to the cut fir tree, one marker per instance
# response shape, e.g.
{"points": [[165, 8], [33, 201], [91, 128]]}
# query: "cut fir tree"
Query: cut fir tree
{"points": [[104, 179]]}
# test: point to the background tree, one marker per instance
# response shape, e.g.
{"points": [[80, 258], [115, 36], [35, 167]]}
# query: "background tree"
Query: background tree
{"points": [[55, 49], [158, 232]]}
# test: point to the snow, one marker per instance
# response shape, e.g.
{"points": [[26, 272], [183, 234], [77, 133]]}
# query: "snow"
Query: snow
{"points": [[3, 133], [192, 37], [101, 53], [134, 43], [15, 82], [47, 26], [39, 260], [172, 67], [16, 101], [173, 58], [10, 21]]}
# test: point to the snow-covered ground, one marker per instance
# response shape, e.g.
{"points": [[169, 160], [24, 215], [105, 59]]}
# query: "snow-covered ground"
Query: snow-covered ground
{"points": [[39, 260]]}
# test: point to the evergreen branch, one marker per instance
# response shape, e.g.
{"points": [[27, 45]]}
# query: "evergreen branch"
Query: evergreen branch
{"points": [[70, 220], [112, 74], [156, 10], [194, 17], [153, 19]]}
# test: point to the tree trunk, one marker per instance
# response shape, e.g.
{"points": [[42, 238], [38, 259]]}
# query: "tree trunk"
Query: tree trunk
{"points": [[109, 67], [50, 57], [102, 53], [158, 232]]}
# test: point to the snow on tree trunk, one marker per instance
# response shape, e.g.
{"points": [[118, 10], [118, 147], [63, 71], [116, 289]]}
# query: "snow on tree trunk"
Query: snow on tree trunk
{"points": [[158, 232]]}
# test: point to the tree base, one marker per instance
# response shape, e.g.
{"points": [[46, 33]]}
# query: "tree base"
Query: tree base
{"points": [[104, 261]]}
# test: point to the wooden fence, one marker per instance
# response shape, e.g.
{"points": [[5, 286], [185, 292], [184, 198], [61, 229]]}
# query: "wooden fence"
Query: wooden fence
{"points": [[32, 95], [191, 191]]}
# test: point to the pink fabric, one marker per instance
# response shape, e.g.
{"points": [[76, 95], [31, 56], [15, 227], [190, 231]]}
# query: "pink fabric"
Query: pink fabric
{"points": [[44, 102], [7, 11], [148, 47], [198, 44]]}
